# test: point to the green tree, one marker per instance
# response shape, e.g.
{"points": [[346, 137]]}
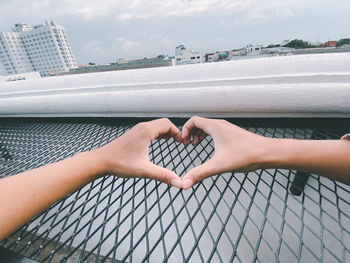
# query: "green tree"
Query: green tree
{"points": [[298, 44], [344, 41]]}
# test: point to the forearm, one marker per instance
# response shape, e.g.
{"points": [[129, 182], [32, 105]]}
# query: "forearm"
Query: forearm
{"points": [[330, 158], [24, 195]]}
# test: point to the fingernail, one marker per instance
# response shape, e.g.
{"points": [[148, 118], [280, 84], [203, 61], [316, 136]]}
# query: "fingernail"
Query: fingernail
{"points": [[176, 183], [187, 184]]}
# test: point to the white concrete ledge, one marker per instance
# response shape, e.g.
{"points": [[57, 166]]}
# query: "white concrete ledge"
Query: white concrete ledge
{"points": [[293, 86]]}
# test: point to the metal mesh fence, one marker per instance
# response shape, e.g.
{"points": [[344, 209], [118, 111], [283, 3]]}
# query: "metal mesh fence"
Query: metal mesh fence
{"points": [[240, 217]]}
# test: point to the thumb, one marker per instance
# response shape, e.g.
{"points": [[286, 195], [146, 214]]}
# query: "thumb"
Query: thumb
{"points": [[199, 173], [161, 174]]}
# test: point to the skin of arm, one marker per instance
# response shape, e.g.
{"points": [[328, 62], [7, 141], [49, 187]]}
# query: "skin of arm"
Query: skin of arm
{"points": [[239, 150], [24, 195]]}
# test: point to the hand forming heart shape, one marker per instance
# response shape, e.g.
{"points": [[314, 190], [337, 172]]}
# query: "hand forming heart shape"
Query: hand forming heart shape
{"points": [[127, 156]]}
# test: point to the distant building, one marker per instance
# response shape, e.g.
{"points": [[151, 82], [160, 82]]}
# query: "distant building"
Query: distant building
{"points": [[121, 64], [277, 51], [330, 44], [121, 61], [43, 48], [187, 56], [216, 56], [251, 47], [252, 50], [179, 50]]}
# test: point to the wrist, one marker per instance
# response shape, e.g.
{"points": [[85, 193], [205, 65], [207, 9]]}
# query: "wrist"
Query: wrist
{"points": [[303, 155], [96, 161], [276, 153]]}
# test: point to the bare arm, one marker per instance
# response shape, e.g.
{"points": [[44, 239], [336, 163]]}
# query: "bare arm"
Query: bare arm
{"points": [[329, 158], [239, 150], [24, 195]]}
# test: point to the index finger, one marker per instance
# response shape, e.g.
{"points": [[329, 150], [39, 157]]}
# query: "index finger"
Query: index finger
{"points": [[192, 124], [164, 127]]}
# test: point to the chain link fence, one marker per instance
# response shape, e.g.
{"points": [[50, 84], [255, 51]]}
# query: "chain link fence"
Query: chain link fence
{"points": [[232, 217]]}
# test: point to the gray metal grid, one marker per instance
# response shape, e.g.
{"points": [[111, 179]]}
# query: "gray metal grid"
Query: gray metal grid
{"points": [[241, 217]]}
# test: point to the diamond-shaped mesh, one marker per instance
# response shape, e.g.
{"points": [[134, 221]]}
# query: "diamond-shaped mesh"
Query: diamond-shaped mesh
{"points": [[233, 217]]}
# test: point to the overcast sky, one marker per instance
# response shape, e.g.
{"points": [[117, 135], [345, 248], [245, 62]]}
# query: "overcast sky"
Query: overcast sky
{"points": [[102, 31]]}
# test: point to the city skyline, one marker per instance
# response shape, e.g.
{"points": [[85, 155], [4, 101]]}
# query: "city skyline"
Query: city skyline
{"points": [[104, 31]]}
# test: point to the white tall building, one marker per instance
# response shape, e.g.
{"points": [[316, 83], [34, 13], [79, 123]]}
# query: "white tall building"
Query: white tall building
{"points": [[44, 48]]}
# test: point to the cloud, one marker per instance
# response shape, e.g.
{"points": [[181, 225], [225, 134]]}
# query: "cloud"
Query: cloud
{"points": [[104, 30], [124, 16], [94, 51], [255, 18], [125, 10], [179, 8], [124, 47], [128, 45], [265, 14], [93, 47], [120, 10], [283, 12], [161, 44]]}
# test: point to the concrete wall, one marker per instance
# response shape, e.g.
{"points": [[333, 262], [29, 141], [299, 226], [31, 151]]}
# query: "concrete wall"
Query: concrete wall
{"points": [[293, 86]]}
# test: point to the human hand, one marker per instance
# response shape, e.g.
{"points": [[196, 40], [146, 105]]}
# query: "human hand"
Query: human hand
{"points": [[236, 149], [127, 156]]}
